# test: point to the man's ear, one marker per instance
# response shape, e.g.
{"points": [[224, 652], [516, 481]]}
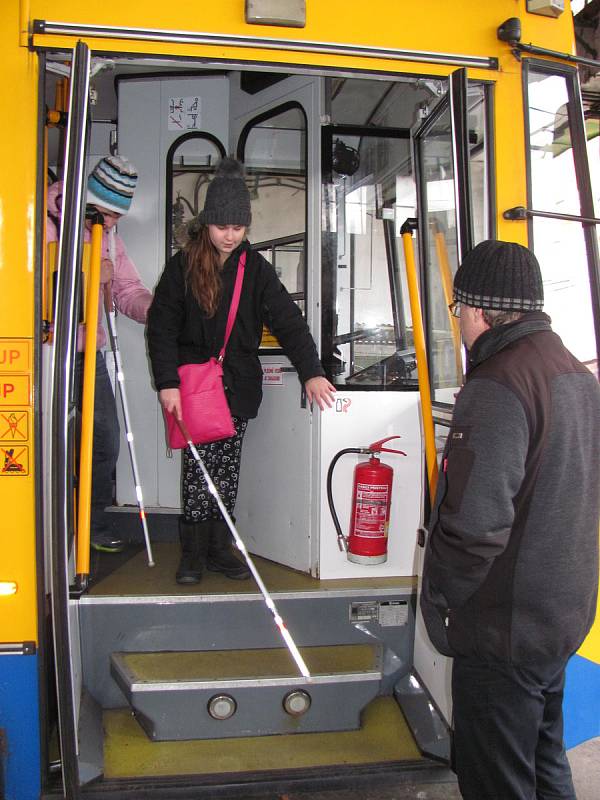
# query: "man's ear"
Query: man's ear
{"points": [[480, 318]]}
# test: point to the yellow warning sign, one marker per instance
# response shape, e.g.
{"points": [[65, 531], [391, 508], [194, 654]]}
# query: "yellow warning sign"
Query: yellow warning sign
{"points": [[14, 426], [15, 355], [15, 390], [14, 460]]}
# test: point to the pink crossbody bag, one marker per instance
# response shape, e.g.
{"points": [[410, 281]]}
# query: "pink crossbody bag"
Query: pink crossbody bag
{"points": [[204, 406]]}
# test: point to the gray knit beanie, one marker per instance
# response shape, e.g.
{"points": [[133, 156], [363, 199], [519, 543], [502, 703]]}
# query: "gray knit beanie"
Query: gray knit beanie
{"points": [[501, 276], [227, 197]]}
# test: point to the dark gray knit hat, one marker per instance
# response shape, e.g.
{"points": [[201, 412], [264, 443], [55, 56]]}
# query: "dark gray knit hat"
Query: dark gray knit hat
{"points": [[227, 197], [503, 276]]}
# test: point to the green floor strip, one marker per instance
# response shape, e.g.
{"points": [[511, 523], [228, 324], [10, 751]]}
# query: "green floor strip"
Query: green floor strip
{"points": [[384, 737]]}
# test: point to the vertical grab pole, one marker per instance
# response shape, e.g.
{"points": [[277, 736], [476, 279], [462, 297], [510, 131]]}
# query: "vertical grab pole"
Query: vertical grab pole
{"points": [[421, 354], [87, 406], [446, 276]]}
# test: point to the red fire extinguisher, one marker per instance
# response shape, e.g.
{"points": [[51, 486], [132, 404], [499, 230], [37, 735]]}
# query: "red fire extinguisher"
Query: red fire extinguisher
{"points": [[371, 503]]}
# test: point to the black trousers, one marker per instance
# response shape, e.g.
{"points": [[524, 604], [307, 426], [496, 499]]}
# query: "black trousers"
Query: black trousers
{"points": [[508, 731]]}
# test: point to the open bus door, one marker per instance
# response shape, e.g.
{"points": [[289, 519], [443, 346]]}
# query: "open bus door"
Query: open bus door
{"points": [[59, 492], [445, 234]]}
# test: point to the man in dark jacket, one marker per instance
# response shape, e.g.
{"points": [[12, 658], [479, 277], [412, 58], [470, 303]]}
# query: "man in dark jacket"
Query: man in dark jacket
{"points": [[511, 566]]}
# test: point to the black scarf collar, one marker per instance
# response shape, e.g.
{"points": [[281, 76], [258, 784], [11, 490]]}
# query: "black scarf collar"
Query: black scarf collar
{"points": [[496, 339]]}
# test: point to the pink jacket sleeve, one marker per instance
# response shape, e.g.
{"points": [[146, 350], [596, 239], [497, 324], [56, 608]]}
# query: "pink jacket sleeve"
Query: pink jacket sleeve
{"points": [[51, 232], [129, 293]]}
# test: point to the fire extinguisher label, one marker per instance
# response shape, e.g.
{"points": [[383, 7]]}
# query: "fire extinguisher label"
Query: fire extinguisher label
{"points": [[371, 508]]}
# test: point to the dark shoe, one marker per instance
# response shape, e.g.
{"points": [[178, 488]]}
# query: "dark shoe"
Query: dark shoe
{"points": [[220, 558], [194, 544], [107, 543]]}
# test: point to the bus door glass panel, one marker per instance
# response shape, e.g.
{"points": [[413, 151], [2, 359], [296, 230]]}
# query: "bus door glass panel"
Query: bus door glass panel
{"points": [[274, 154], [479, 162], [452, 164], [368, 192], [191, 164], [560, 245], [439, 233]]}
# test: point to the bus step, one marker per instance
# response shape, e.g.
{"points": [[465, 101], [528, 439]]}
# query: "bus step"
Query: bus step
{"points": [[231, 693]]}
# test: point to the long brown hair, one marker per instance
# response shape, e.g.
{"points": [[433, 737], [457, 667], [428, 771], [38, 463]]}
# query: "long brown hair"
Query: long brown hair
{"points": [[203, 271]]}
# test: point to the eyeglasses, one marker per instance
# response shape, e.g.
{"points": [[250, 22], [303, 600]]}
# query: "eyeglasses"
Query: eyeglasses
{"points": [[454, 308]]}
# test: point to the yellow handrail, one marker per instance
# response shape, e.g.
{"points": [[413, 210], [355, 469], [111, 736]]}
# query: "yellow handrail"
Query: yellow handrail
{"points": [[447, 286], [87, 405], [422, 367]]}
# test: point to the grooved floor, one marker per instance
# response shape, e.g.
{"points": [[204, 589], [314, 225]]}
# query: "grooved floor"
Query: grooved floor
{"points": [[384, 737], [135, 577]]}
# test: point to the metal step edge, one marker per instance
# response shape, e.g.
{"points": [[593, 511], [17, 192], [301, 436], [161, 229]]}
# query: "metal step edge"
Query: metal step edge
{"points": [[250, 683], [168, 599]]}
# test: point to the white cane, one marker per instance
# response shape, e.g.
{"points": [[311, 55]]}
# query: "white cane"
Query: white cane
{"points": [[114, 344], [287, 638], [109, 308]]}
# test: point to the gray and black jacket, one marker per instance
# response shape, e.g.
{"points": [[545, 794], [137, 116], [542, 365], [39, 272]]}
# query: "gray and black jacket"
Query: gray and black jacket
{"points": [[511, 563], [179, 332]]}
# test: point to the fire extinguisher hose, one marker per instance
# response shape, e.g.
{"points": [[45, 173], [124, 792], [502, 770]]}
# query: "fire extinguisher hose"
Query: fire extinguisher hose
{"points": [[342, 542]]}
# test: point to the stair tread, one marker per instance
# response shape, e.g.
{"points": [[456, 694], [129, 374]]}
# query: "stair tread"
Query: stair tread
{"points": [[247, 664]]}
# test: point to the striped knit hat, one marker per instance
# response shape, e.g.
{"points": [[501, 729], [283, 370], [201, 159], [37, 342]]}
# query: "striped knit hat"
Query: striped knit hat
{"points": [[111, 184], [501, 276]]}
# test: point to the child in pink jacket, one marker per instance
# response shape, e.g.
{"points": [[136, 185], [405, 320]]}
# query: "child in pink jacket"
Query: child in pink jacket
{"points": [[110, 189]]}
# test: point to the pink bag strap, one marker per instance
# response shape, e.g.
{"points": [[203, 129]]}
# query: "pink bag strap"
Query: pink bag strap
{"points": [[235, 301]]}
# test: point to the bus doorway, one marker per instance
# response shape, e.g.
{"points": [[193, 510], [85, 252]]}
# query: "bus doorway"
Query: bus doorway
{"points": [[332, 179]]}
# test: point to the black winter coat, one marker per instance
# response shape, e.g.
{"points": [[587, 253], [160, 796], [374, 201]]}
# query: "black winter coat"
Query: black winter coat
{"points": [[511, 564], [179, 332]]}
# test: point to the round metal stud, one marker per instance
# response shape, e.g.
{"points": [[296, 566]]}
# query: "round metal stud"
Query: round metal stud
{"points": [[297, 702], [221, 706]]}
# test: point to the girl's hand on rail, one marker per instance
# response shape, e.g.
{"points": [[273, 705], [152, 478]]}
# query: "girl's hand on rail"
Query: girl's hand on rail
{"points": [[170, 400], [320, 390]]}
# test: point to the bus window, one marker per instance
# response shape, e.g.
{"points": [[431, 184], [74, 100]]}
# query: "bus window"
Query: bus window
{"points": [[191, 163], [559, 244]]}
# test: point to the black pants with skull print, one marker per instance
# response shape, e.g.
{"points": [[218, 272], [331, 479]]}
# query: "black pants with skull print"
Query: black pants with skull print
{"points": [[222, 460]]}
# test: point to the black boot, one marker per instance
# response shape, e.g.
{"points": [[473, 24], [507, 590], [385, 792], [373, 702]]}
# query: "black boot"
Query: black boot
{"points": [[220, 558], [194, 545]]}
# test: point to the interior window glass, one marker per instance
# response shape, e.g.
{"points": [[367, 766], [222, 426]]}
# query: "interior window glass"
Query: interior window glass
{"points": [[367, 195], [274, 155], [191, 167]]}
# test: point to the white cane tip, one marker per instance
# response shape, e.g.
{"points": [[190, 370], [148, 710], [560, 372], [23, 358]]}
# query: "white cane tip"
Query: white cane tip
{"points": [[151, 563]]}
